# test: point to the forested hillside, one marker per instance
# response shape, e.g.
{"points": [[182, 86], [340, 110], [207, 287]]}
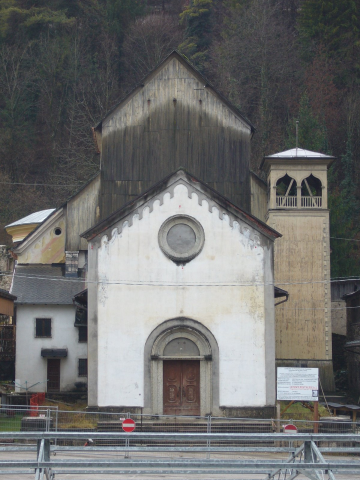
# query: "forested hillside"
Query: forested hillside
{"points": [[65, 63]]}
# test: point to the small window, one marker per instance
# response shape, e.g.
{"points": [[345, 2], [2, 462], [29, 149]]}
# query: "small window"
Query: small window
{"points": [[43, 327], [82, 367], [82, 334]]}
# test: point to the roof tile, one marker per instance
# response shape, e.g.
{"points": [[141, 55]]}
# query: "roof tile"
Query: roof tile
{"points": [[44, 284]]}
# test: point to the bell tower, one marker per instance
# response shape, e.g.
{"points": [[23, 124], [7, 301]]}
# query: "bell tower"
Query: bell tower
{"points": [[298, 209]]}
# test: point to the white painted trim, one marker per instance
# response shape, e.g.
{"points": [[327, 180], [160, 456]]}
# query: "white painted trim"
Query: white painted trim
{"points": [[48, 223]]}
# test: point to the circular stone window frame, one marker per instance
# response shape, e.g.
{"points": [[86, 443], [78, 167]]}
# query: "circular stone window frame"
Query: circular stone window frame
{"points": [[199, 238]]}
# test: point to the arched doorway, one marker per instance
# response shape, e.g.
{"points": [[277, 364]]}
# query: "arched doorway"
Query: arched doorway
{"points": [[181, 369]]}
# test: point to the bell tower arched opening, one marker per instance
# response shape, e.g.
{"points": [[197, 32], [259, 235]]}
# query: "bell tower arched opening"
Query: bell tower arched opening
{"points": [[286, 193], [311, 192]]}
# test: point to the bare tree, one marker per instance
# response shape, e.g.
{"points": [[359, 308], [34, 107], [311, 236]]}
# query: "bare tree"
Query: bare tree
{"points": [[17, 109], [147, 42], [256, 64]]}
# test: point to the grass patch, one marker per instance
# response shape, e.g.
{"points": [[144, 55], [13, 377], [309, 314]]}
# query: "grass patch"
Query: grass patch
{"points": [[79, 406], [10, 423], [80, 421], [298, 412]]}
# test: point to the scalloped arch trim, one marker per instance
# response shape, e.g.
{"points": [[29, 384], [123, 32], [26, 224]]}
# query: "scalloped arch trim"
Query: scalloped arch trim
{"points": [[213, 207]]}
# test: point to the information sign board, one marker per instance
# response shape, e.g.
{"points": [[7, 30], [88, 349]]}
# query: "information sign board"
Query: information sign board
{"points": [[298, 384]]}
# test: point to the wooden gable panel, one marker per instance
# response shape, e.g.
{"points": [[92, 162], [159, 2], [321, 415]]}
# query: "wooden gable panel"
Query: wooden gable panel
{"points": [[174, 121]]}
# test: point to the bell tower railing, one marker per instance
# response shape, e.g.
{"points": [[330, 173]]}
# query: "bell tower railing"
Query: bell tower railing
{"points": [[286, 202], [292, 202], [311, 202]]}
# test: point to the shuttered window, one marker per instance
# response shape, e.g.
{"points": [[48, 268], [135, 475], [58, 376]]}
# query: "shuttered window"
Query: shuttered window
{"points": [[43, 327], [82, 334], [82, 367]]}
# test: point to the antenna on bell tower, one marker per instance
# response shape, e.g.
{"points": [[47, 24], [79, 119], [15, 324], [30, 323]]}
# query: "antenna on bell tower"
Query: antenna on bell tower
{"points": [[297, 135]]}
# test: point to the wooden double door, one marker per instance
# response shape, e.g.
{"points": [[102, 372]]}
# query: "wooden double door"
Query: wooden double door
{"points": [[181, 387]]}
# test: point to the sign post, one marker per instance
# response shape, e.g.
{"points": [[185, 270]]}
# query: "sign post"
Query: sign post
{"points": [[316, 417], [128, 425]]}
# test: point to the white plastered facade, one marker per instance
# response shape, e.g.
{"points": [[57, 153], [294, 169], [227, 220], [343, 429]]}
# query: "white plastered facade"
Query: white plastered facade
{"points": [[227, 289]]}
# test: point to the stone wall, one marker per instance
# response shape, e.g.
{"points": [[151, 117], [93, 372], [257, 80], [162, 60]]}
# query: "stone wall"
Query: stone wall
{"points": [[6, 267]]}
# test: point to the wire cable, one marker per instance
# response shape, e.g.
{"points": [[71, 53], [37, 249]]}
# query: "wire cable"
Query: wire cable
{"points": [[174, 284], [347, 239], [41, 184]]}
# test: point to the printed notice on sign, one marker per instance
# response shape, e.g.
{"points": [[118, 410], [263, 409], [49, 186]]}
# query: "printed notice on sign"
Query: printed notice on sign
{"points": [[298, 384]]}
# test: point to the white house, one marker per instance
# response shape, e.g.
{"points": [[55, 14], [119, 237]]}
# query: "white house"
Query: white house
{"points": [[51, 352]]}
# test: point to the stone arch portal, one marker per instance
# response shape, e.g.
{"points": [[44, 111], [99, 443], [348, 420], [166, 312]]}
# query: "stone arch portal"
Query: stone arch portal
{"points": [[181, 369]]}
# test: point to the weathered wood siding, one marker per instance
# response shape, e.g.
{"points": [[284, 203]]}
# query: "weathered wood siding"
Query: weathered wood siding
{"points": [[174, 120], [258, 197], [82, 213], [6, 307]]}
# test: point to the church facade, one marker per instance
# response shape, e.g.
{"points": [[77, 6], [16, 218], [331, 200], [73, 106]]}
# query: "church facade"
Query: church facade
{"points": [[174, 245], [181, 304]]}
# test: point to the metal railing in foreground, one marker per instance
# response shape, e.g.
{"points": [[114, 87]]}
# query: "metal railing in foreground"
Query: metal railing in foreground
{"points": [[49, 418], [306, 460]]}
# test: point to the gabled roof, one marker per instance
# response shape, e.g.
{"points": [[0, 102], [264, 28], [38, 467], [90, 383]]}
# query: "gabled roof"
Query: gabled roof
{"points": [[32, 236], [44, 284], [53, 212], [7, 295], [201, 187], [194, 71], [37, 217]]}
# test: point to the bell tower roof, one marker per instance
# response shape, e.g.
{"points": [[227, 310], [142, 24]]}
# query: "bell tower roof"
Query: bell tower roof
{"points": [[298, 153], [295, 155]]}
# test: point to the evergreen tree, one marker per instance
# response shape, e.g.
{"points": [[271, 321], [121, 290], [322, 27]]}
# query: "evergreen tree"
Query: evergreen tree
{"points": [[17, 21], [312, 132], [344, 213], [335, 25], [331, 22], [197, 19], [120, 13]]}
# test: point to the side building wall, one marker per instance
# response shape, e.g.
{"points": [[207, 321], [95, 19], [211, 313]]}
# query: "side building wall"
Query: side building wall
{"points": [[30, 366], [259, 203]]}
